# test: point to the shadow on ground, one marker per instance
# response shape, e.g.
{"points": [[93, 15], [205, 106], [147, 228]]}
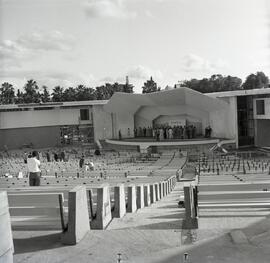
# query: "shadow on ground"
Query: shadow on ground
{"points": [[37, 243]]}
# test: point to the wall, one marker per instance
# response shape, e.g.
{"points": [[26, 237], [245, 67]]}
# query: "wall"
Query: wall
{"points": [[40, 137], [262, 128], [102, 123], [224, 121], [125, 121], [37, 118]]}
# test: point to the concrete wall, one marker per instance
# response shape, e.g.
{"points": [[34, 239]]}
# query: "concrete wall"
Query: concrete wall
{"points": [[37, 118], [262, 131], [102, 123], [39, 136], [123, 122], [224, 122]]}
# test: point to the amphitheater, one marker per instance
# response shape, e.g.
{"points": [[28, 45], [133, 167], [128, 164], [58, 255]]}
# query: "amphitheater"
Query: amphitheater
{"points": [[179, 200]]}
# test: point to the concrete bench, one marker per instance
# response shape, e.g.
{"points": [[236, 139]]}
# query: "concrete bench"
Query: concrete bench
{"points": [[36, 211]]}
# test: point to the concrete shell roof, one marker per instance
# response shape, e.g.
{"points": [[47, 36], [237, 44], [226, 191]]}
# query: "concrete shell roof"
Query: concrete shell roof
{"points": [[121, 102]]}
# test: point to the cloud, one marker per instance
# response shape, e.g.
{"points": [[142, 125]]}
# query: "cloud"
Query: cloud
{"points": [[50, 78], [49, 41], [194, 63], [142, 72], [26, 46], [107, 8]]}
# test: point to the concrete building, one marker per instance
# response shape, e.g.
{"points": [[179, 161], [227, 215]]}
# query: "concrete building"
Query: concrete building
{"points": [[241, 116]]}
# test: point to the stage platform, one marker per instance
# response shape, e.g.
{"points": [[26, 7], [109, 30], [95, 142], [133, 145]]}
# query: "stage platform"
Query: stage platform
{"points": [[145, 143]]}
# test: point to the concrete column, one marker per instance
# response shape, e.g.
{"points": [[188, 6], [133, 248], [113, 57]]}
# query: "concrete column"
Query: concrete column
{"points": [[78, 216], [152, 193], [104, 215], [140, 196], [146, 195], [119, 201], [157, 191], [132, 205], [6, 241]]}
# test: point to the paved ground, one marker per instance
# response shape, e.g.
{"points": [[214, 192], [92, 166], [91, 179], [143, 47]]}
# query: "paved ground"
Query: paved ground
{"points": [[154, 234]]}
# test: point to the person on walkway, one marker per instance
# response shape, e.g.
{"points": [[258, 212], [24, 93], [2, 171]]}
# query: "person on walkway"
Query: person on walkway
{"points": [[33, 165]]}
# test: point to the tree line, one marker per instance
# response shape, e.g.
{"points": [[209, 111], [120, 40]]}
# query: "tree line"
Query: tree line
{"points": [[32, 93]]}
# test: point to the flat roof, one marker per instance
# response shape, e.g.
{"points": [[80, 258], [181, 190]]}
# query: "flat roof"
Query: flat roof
{"points": [[234, 93], [54, 104]]}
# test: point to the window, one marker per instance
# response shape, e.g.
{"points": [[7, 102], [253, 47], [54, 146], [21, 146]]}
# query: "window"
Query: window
{"points": [[84, 114], [260, 107]]}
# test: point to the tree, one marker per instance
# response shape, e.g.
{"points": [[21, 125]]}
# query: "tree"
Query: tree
{"points": [[85, 93], [57, 94], [45, 96], [256, 81], [150, 86], [31, 94], [7, 93], [104, 92], [69, 94], [216, 83], [19, 97]]}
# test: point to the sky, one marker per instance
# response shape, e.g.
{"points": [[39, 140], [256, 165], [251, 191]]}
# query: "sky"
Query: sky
{"points": [[91, 42]]}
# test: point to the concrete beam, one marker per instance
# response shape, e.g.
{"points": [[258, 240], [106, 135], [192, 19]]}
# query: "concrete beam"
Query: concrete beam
{"points": [[104, 215], [132, 205], [6, 241], [119, 201], [78, 216]]}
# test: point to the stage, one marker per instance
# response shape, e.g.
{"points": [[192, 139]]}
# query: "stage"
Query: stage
{"points": [[145, 143]]}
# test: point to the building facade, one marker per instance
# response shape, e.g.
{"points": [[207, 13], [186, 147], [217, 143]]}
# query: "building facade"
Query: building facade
{"points": [[243, 116]]}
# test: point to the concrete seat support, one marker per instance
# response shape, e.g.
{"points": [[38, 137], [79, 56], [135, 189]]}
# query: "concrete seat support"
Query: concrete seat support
{"points": [[147, 195], [140, 196], [132, 205], [157, 191], [6, 242], [104, 215], [191, 218], [152, 193], [119, 201], [78, 216]]}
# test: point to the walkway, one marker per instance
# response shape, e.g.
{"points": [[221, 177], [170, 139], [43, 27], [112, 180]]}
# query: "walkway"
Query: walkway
{"points": [[152, 235]]}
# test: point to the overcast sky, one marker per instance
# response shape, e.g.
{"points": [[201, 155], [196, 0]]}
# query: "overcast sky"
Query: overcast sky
{"points": [[68, 42]]}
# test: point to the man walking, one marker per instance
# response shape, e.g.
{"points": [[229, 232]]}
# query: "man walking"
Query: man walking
{"points": [[33, 165]]}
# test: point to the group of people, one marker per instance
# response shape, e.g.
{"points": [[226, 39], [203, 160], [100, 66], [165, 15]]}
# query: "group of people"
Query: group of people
{"points": [[86, 166], [163, 132]]}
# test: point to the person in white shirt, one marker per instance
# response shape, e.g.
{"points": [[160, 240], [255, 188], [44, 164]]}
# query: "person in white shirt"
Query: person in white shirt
{"points": [[33, 165]]}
